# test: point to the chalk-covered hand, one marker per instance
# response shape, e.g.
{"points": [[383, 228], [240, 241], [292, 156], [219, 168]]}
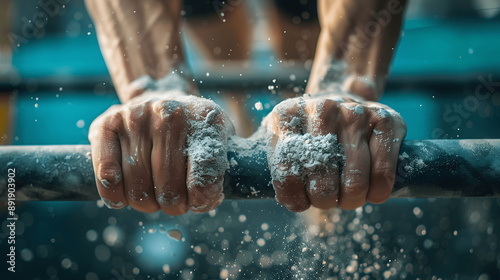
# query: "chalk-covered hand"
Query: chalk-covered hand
{"points": [[333, 151], [161, 151]]}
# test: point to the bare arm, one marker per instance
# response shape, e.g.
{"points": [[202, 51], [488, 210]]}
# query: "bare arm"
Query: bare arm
{"points": [[161, 148], [339, 115], [356, 46], [137, 38]]}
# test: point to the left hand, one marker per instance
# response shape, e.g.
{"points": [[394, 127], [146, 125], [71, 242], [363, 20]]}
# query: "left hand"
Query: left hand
{"points": [[369, 132]]}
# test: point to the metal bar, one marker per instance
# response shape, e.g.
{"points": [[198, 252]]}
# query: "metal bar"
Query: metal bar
{"points": [[232, 77], [427, 168]]}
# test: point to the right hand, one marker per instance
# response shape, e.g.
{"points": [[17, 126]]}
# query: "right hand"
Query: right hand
{"points": [[161, 151], [306, 165]]}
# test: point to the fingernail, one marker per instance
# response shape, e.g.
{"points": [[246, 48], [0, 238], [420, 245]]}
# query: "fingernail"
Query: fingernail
{"points": [[105, 183], [112, 205]]}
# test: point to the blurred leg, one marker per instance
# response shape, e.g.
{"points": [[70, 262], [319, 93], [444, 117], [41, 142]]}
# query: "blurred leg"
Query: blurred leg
{"points": [[295, 29], [5, 55], [222, 39], [5, 11]]}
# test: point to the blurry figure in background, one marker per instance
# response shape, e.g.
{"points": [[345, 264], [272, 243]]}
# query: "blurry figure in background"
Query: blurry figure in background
{"points": [[5, 44], [5, 65], [165, 148]]}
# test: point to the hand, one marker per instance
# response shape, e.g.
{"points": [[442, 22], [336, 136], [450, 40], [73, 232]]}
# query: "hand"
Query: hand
{"points": [[165, 151], [305, 159]]}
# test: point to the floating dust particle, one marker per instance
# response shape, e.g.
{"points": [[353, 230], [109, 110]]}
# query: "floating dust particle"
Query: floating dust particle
{"points": [[166, 268], [344, 245], [259, 106], [175, 234], [80, 123], [242, 218]]}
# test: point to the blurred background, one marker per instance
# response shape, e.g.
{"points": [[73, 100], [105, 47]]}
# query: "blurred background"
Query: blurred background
{"points": [[445, 81]]}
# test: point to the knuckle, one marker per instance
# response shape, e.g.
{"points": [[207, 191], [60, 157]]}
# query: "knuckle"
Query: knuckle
{"points": [[206, 192], [355, 191], [113, 123], [138, 195], [169, 110], [324, 192], [348, 115], [329, 106], [326, 112], [109, 174], [383, 114], [349, 119], [214, 116], [169, 199], [385, 171], [109, 122], [134, 115], [387, 121], [286, 108]]}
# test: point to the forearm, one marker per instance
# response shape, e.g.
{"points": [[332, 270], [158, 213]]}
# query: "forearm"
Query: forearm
{"points": [[355, 47], [137, 39]]}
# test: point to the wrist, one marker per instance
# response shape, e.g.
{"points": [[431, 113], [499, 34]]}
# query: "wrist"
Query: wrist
{"points": [[178, 80], [331, 74]]}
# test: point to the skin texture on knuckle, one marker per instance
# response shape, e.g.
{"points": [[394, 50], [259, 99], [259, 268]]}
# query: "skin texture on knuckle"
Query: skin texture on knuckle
{"points": [[169, 198], [327, 106], [138, 194], [204, 198], [108, 122], [323, 115], [134, 116], [382, 114], [352, 115], [168, 110], [324, 196], [354, 191], [323, 185], [109, 174]]}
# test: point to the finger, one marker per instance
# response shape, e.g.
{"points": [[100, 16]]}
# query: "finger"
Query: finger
{"points": [[167, 158], [206, 149], [106, 159], [284, 161], [323, 182], [286, 118], [136, 160], [355, 178], [385, 141]]}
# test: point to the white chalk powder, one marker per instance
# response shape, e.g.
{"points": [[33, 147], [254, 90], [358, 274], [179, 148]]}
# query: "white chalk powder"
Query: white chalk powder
{"points": [[207, 151], [206, 145], [299, 155]]}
